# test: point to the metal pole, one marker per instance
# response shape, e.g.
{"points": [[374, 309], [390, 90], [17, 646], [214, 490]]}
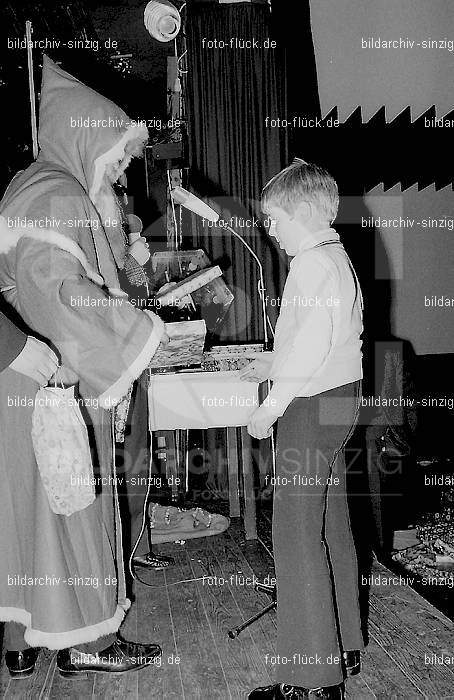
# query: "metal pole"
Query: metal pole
{"points": [[31, 88], [262, 291]]}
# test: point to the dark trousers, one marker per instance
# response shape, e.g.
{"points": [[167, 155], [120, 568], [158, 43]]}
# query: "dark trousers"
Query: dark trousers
{"points": [[317, 588], [13, 637]]}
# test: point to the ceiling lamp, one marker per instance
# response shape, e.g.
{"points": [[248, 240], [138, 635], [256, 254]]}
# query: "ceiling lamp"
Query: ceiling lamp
{"points": [[162, 20]]}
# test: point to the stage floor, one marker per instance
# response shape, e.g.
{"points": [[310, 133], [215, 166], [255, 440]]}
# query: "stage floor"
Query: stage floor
{"points": [[190, 620]]}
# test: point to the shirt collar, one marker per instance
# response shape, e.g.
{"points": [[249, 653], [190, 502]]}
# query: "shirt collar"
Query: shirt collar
{"points": [[327, 234]]}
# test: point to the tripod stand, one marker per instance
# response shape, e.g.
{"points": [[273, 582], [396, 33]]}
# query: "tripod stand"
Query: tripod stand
{"points": [[264, 588], [151, 560]]}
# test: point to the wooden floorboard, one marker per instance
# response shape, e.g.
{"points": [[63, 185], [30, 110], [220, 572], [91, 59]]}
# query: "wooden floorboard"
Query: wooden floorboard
{"points": [[67, 688], [241, 659], [38, 685], [407, 651], [157, 625], [190, 619], [200, 664], [123, 685], [235, 566], [433, 628]]}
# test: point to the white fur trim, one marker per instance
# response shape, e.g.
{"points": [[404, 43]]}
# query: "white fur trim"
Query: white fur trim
{"points": [[115, 393], [10, 237], [114, 154], [116, 292], [63, 640]]}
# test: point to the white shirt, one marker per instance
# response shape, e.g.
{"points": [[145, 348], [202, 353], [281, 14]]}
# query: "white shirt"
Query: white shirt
{"points": [[317, 338]]}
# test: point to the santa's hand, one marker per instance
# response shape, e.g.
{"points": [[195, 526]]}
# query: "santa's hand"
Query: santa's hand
{"points": [[165, 340], [64, 375], [162, 296], [261, 422], [166, 299], [184, 302], [139, 250], [36, 361]]}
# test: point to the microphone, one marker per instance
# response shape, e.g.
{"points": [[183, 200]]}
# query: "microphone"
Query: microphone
{"points": [[193, 203]]}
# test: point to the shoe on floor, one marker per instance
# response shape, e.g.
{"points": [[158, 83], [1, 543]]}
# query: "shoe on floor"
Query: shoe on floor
{"points": [[293, 692], [119, 657], [352, 662], [21, 664]]}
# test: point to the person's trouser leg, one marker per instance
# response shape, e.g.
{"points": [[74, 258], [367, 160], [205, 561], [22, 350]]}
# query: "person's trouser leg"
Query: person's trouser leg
{"points": [[98, 645], [13, 637], [308, 644], [342, 556]]}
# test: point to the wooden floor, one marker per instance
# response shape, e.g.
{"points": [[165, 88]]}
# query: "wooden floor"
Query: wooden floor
{"points": [[190, 620]]}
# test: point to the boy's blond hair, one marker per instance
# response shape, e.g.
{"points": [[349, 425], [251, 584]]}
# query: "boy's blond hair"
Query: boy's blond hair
{"points": [[299, 182]]}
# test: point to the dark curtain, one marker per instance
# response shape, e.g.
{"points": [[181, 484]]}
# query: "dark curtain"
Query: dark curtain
{"points": [[234, 149]]}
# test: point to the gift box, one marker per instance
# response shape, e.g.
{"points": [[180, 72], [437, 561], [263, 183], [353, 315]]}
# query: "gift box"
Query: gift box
{"points": [[200, 400]]}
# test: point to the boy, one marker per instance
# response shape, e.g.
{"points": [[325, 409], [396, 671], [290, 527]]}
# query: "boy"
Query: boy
{"points": [[316, 372]]}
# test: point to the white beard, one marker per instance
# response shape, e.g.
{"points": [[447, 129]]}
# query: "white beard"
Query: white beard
{"points": [[108, 206], [110, 213]]}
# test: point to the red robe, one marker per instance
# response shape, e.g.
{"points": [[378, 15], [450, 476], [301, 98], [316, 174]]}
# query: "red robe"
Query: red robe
{"points": [[62, 577]]}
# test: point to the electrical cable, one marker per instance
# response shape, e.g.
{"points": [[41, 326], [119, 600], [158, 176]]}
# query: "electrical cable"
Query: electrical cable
{"points": [[144, 524], [173, 212], [166, 585], [144, 512]]}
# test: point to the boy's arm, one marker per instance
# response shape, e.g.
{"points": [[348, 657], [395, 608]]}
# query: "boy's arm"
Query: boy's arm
{"points": [[310, 344]]}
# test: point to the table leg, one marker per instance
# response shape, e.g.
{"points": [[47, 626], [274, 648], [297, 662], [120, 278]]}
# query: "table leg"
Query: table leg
{"points": [[250, 514], [233, 471]]}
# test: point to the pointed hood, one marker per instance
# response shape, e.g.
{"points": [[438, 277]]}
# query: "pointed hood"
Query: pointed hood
{"points": [[80, 133], [79, 129]]}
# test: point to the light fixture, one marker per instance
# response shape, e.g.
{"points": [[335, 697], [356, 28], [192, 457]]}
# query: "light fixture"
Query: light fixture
{"points": [[162, 20]]}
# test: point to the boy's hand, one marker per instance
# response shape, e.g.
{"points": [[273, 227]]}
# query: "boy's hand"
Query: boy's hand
{"points": [[259, 369], [261, 422]]}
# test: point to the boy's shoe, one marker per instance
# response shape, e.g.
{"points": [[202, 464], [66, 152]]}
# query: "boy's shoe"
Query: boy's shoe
{"points": [[292, 692], [352, 662]]}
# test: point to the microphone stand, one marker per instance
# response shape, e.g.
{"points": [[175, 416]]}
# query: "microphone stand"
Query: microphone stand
{"points": [[261, 290], [261, 285], [261, 587], [194, 204]]}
